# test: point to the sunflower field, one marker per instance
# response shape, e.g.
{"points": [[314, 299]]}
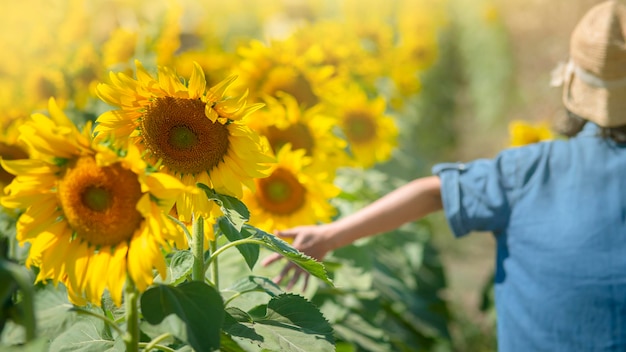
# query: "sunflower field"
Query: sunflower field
{"points": [[150, 149]]}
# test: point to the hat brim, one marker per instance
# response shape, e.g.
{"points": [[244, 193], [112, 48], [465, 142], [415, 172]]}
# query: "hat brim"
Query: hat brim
{"points": [[603, 106]]}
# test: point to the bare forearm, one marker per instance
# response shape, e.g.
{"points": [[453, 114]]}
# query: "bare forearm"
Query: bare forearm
{"points": [[407, 203]]}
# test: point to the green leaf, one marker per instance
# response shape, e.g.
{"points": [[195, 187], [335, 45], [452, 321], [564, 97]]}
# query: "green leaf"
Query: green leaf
{"points": [[229, 345], [171, 324], [307, 263], [249, 251], [84, 336], [235, 211], [291, 323], [256, 284], [52, 312], [238, 323], [14, 276], [39, 344], [196, 303], [179, 268]]}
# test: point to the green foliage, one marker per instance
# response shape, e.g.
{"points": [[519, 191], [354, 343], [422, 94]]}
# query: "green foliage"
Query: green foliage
{"points": [[485, 58], [235, 211], [179, 267], [287, 323], [197, 304], [390, 295], [14, 280], [86, 335], [250, 252], [260, 237]]}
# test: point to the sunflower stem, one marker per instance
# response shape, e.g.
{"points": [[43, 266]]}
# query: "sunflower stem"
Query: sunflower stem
{"points": [[155, 343], [214, 267], [215, 253], [131, 338], [148, 347], [197, 249], [108, 322], [182, 226]]}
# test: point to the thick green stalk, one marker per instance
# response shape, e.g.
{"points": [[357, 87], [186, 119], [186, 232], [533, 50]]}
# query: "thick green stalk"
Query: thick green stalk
{"points": [[131, 296], [197, 249], [214, 268]]}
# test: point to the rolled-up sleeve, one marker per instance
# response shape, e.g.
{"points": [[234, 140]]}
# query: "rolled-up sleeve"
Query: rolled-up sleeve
{"points": [[475, 195]]}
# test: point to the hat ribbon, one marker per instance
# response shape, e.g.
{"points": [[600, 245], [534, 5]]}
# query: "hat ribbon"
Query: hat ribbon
{"points": [[564, 71]]}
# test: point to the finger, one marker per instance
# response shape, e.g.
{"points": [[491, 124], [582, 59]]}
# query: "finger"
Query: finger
{"points": [[306, 282], [294, 279], [271, 259], [286, 233], [283, 273]]}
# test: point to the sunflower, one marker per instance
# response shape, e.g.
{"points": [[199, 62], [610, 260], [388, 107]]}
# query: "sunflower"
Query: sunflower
{"points": [[10, 149], [93, 215], [523, 133], [371, 134], [194, 133], [119, 47], [283, 121], [289, 196], [354, 53], [280, 67]]}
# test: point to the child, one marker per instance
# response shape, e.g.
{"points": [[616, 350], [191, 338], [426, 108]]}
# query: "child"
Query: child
{"points": [[557, 209]]}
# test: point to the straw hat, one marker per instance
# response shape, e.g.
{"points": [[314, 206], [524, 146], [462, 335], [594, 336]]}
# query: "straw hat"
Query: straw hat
{"points": [[595, 77]]}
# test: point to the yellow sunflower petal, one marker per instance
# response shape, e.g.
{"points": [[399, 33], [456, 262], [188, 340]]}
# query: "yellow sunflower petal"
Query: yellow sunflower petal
{"points": [[36, 220], [143, 255], [99, 265], [40, 245], [77, 265], [116, 277], [163, 185], [58, 116], [197, 82], [216, 92]]}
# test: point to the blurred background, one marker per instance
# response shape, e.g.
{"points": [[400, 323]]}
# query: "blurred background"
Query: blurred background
{"points": [[453, 75]]}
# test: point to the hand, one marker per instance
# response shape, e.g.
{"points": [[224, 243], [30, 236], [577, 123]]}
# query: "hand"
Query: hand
{"points": [[310, 240]]}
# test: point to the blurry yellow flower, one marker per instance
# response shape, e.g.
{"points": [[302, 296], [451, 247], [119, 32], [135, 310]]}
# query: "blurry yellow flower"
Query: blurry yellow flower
{"points": [[168, 41], [371, 134], [43, 83], [10, 149], [523, 133], [267, 70], [490, 12], [84, 71], [119, 48], [194, 133], [93, 216], [289, 196], [283, 122]]}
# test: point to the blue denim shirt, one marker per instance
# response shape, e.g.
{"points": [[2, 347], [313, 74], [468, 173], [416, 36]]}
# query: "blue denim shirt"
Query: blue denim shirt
{"points": [[558, 213]]}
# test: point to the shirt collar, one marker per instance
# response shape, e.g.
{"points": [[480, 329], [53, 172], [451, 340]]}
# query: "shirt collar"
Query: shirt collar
{"points": [[590, 129]]}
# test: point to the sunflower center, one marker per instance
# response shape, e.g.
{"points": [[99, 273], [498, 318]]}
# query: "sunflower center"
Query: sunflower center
{"points": [[359, 127], [96, 198], [182, 137], [10, 152], [99, 202], [177, 131], [297, 134], [284, 79], [281, 193]]}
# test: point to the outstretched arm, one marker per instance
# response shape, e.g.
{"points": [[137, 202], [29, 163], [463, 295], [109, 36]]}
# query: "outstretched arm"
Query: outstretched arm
{"points": [[407, 203]]}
